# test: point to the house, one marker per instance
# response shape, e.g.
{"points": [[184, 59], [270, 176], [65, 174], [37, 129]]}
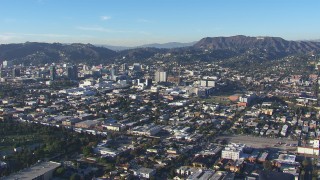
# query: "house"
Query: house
{"points": [[263, 157], [144, 172], [254, 155], [186, 170], [202, 174], [200, 161], [108, 152], [70, 121], [236, 166]]}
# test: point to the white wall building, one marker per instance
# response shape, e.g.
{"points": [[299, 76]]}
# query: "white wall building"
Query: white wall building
{"points": [[144, 172], [312, 148], [207, 83], [7, 64], [233, 151], [284, 130]]}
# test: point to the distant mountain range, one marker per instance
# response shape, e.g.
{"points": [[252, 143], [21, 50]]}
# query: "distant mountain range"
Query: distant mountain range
{"points": [[114, 48], [168, 45], [262, 48]]}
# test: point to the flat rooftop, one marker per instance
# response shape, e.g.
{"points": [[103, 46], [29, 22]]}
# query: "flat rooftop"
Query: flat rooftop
{"points": [[34, 171]]}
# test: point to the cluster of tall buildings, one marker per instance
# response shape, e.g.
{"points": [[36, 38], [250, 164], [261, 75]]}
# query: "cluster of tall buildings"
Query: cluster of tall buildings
{"points": [[160, 76], [71, 72], [9, 70]]}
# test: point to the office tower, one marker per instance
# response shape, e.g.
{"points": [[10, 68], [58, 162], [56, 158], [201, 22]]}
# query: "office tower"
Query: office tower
{"points": [[72, 72], [7, 64], [124, 67], [136, 67], [52, 73], [160, 76], [207, 83], [16, 72]]}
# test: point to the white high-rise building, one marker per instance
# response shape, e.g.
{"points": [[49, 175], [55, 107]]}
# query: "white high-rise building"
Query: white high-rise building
{"points": [[7, 64], [160, 76], [207, 83]]}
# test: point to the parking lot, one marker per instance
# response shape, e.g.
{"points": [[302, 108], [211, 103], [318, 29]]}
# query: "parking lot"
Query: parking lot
{"points": [[262, 142]]}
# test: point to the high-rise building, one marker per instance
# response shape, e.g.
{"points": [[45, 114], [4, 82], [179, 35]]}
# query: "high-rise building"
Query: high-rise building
{"points": [[113, 74], [72, 72], [16, 72], [160, 76], [146, 82], [136, 67], [52, 73], [124, 67], [7, 64], [207, 83]]}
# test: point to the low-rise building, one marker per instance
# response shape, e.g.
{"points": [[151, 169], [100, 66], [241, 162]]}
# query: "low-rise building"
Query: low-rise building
{"points": [[42, 170], [233, 151], [144, 172], [147, 130], [311, 148], [114, 127], [86, 124]]}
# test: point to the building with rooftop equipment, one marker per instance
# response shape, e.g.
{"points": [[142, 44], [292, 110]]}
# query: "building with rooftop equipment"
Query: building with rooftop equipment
{"points": [[233, 151], [43, 171]]}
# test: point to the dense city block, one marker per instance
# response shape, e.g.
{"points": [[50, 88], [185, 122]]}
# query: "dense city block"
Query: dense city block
{"points": [[160, 119]]}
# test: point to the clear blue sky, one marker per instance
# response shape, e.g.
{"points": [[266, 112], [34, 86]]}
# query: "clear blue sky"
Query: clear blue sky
{"points": [[136, 22]]}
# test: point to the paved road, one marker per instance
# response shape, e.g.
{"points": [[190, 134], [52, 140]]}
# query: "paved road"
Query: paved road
{"points": [[260, 142]]}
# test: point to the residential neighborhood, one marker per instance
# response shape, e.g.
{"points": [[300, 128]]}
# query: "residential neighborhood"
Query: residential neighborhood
{"points": [[194, 125]]}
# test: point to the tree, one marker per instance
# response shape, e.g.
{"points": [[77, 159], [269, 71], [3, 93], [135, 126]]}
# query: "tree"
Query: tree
{"points": [[267, 165], [315, 161], [302, 173], [60, 171], [86, 151], [305, 163], [314, 174], [172, 173], [102, 160], [155, 141], [75, 176], [109, 167]]}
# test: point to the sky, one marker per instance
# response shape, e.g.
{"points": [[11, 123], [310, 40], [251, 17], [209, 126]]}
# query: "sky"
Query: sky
{"points": [[137, 22]]}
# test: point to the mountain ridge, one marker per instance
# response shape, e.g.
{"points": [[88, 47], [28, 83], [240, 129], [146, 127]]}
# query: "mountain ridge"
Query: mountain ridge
{"points": [[208, 48], [241, 42], [168, 45]]}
